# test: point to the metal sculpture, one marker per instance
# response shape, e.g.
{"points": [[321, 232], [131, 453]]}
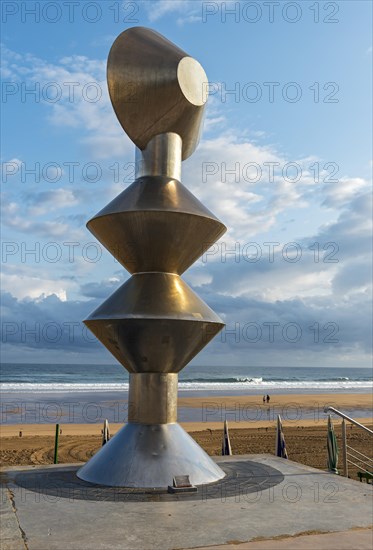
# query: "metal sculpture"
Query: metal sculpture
{"points": [[154, 324]]}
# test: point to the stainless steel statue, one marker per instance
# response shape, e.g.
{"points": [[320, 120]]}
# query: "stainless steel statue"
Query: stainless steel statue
{"points": [[154, 324]]}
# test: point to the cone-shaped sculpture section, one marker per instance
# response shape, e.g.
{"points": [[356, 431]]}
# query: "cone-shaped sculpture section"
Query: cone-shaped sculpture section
{"points": [[156, 224], [155, 87], [154, 323], [144, 456]]}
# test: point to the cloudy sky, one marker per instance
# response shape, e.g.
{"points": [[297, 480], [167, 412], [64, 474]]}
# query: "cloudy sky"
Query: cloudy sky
{"points": [[284, 161]]}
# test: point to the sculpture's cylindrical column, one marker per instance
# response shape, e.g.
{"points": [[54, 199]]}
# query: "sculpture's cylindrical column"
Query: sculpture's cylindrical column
{"points": [[161, 157], [153, 398]]}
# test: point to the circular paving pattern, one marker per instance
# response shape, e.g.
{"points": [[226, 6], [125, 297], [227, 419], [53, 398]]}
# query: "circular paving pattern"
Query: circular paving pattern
{"points": [[242, 478]]}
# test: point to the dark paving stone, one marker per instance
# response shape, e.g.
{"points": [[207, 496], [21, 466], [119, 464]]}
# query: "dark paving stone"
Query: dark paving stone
{"points": [[243, 477]]}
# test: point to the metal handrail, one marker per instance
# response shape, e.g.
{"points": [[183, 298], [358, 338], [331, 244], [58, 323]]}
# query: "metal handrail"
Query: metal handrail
{"points": [[361, 454], [360, 467], [345, 453], [342, 415], [356, 457]]}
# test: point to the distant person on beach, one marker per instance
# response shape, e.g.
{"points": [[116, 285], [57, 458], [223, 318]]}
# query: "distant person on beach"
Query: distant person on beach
{"points": [[268, 398], [264, 398]]}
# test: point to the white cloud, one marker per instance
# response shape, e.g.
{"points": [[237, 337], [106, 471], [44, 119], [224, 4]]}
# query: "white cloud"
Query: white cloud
{"points": [[160, 8], [35, 287], [191, 11], [231, 177], [55, 199], [10, 168], [75, 91], [21, 220], [341, 192]]}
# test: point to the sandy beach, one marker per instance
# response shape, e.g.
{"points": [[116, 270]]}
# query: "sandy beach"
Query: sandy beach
{"points": [[305, 441], [305, 437], [305, 401]]}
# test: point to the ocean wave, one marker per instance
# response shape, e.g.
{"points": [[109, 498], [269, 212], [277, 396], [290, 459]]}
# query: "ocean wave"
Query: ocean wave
{"points": [[62, 387], [194, 385], [232, 380]]}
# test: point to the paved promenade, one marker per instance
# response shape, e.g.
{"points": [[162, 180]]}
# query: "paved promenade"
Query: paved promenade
{"points": [[264, 497]]}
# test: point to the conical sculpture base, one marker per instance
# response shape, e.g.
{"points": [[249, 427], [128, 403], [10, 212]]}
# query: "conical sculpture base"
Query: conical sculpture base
{"points": [[149, 456]]}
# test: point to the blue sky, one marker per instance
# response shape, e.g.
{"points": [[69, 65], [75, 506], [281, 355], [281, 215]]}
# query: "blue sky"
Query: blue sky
{"points": [[64, 156]]}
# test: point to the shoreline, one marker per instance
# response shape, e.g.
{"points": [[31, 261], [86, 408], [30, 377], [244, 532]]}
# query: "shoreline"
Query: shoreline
{"points": [[79, 409]]}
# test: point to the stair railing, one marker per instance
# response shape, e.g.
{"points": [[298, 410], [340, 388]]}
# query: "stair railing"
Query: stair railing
{"points": [[365, 463]]}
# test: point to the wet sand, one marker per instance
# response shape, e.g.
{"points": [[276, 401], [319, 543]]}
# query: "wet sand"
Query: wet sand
{"points": [[306, 401]]}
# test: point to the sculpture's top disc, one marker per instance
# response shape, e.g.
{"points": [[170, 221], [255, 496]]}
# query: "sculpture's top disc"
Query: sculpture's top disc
{"points": [[155, 87]]}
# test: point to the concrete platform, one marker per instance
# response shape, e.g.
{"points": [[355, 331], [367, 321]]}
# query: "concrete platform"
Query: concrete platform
{"points": [[47, 508], [354, 539]]}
